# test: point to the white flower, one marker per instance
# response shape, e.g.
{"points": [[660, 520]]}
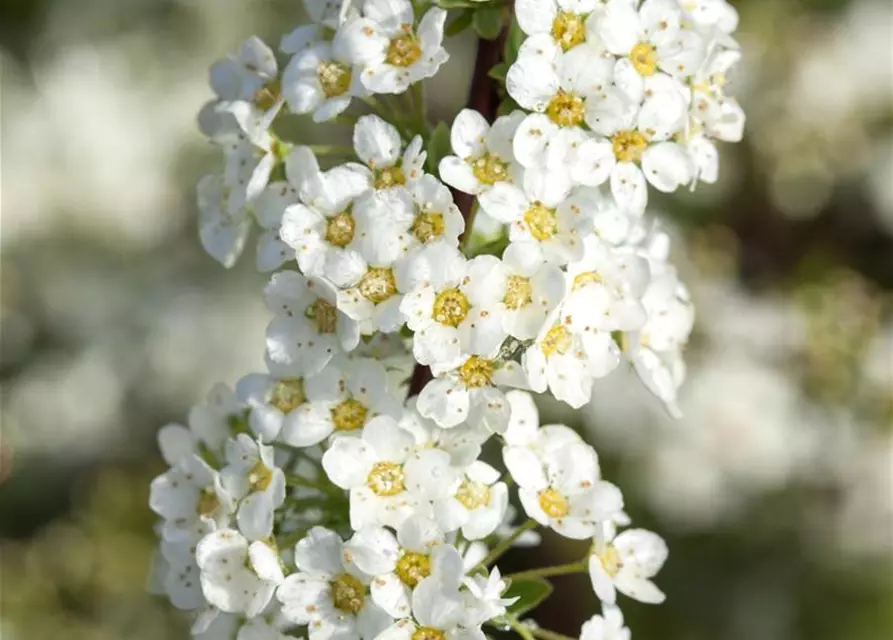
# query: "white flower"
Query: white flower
{"points": [[399, 563], [477, 505], [189, 493], [252, 476], [223, 234], [273, 401], [329, 593], [237, 576], [626, 563], [484, 153], [373, 469], [250, 152], [436, 218], [710, 15], [393, 51], [308, 330], [438, 611], [449, 306], [180, 578], [608, 626], [342, 399], [210, 421], [322, 79], [563, 488], [568, 22], [525, 432], [269, 207], [539, 216], [326, 16], [461, 443], [485, 597], [377, 143]]}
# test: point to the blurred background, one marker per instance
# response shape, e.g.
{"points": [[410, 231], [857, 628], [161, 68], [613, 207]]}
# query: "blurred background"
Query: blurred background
{"points": [[775, 491]]}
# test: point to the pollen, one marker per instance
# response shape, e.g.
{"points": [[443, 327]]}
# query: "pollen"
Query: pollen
{"points": [[629, 145], [378, 284], [566, 109], [412, 568], [288, 394], [386, 479], [587, 278], [267, 96], [334, 78], [389, 177], [324, 315], [553, 503], [340, 229], [644, 58], [473, 495], [569, 29], [404, 51], [349, 415], [451, 307], [476, 372], [489, 168], [610, 559], [428, 633], [348, 593], [541, 221], [428, 226], [260, 476], [558, 340], [208, 502], [518, 292]]}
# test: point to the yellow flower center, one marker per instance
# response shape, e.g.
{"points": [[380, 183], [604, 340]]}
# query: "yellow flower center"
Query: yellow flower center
{"points": [[489, 169], [557, 340], [473, 495], [260, 476], [267, 96], [412, 568], [542, 221], [348, 593], [610, 559], [378, 284], [476, 372], [386, 479], [428, 633], [644, 58], [389, 177], [349, 415], [569, 29], [404, 51], [428, 226], [340, 229], [334, 78], [554, 504], [629, 145], [585, 278], [566, 109], [451, 307], [208, 502], [518, 292], [324, 314], [288, 394]]}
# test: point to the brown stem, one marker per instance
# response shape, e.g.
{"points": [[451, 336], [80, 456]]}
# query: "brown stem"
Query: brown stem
{"points": [[483, 97]]}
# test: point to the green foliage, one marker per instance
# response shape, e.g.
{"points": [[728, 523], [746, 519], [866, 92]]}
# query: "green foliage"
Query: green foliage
{"points": [[438, 146], [488, 21], [530, 594]]}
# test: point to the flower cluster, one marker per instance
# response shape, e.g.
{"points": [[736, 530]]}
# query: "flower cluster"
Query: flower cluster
{"points": [[314, 498]]}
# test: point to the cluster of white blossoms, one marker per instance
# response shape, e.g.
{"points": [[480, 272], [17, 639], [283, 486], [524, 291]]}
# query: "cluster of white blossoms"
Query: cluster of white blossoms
{"points": [[315, 499]]}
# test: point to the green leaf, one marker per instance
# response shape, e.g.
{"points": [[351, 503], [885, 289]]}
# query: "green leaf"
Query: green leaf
{"points": [[487, 22], [460, 23], [439, 146], [498, 72], [513, 43], [506, 107], [530, 594]]}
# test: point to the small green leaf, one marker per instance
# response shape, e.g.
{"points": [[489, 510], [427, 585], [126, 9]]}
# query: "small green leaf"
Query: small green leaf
{"points": [[498, 72], [513, 43], [506, 107], [439, 146], [531, 594], [487, 22], [460, 23]]}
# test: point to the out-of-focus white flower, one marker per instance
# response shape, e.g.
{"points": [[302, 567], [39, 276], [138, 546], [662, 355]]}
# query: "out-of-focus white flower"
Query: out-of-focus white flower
{"points": [[626, 563]]}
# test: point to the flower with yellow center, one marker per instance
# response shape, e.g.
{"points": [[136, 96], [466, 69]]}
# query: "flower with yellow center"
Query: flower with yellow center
{"points": [[348, 593], [518, 292], [334, 78], [553, 503], [288, 394], [586, 278], [428, 226], [349, 415], [428, 633], [208, 502], [557, 340], [541, 221], [267, 97], [609, 557], [405, 50], [474, 495], [389, 177], [644, 58], [378, 284], [569, 29], [340, 229], [386, 479], [489, 168], [451, 307], [477, 372], [566, 109], [412, 568], [324, 315], [260, 477], [629, 145]]}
